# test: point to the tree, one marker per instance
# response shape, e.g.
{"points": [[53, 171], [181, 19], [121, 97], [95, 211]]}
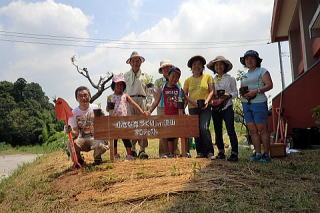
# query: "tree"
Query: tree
{"points": [[26, 116], [18, 89], [100, 86]]}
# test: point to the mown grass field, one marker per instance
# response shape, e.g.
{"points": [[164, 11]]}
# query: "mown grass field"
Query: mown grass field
{"points": [[290, 184]]}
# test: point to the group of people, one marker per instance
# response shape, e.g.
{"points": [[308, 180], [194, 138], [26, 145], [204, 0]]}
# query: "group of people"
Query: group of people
{"points": [[206, 96]]}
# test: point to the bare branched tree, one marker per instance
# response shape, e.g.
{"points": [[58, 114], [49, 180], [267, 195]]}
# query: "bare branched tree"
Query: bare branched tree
{"points": [[100, 86]]}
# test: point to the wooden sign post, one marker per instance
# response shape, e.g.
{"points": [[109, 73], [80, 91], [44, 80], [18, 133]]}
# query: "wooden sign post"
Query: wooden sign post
{"points": [[139, 127]]}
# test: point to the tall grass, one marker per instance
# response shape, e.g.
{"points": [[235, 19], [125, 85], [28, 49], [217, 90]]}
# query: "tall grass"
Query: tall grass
{"points": [[58, 141]]}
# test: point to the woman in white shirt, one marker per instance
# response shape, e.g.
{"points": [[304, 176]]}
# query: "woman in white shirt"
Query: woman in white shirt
{"points": [[222, 109]]}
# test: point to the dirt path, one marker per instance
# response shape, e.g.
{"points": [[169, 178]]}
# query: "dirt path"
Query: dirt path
{"points": [[8, 163]]}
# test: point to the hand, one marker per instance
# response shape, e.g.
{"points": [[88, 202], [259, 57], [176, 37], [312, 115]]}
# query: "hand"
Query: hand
{"points": [[206, 103], [251, 93], [67, 129], [147, 113], [194, 102], [225, 96]]}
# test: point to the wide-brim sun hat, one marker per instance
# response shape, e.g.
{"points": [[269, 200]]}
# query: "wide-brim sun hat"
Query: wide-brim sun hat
{"points": [[195, 58], [135, 54], [163, 64], [252, 53], [228, 64], [116, 79]]}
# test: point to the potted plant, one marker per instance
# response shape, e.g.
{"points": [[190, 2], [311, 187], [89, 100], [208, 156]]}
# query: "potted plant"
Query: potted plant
{"points": [[98, 112], [237, 107]]}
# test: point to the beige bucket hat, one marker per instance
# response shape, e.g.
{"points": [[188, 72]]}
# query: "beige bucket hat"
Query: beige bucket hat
{"points": [[135, 54], [163, 64], [220, 59]]}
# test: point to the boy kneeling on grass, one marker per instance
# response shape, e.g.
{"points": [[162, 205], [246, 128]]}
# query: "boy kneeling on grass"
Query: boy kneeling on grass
{"points": [[81, 127], [172, 99]]}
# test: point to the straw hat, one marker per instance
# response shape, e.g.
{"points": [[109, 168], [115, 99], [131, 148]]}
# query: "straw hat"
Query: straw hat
{"points": [[228, 64], [163, 64], [135, 54], [194, 58]]}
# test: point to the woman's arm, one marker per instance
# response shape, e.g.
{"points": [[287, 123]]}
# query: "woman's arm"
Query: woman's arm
{"points": [[268, 85], [211, 93], [233, 87], [155, 103], [186, 95]]}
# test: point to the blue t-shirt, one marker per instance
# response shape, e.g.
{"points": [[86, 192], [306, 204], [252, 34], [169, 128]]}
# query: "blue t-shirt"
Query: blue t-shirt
{"points": [[253, 80]]}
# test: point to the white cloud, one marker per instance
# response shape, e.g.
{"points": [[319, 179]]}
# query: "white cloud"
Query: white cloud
{"points": [[204, 20], [46, 17], [48, 65], [135, 8], [196, 20]]}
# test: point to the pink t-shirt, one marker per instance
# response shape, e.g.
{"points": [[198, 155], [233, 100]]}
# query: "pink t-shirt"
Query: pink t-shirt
{"points": [[120, 105]]}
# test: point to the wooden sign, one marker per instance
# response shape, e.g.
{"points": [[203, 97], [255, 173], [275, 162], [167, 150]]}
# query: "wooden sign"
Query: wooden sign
{"points": [[138, 127]]}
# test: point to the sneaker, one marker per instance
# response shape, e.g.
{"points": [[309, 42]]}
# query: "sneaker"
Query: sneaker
{"points": [[210, 156], [188, 155], [134, 154], [221, 156], [97, 161], [233, 157], [81, 161], [117, 156], [255, 157], [170, 155], [265, 158], [129, 158], [200, 155], [143, 155], [164, 156]]}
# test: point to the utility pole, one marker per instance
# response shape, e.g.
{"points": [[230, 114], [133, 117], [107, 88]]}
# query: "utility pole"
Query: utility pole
{"points": [[281, 67]]}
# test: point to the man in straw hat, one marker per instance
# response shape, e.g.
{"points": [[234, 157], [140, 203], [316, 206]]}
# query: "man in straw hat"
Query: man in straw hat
{"points": [[165, 65], [136, 81]]}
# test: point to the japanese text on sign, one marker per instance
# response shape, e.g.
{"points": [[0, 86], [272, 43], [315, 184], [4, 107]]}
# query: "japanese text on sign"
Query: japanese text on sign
{"points": [[145, 123]]}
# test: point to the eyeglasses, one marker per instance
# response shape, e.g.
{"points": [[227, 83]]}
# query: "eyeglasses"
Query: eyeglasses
{"points": [[83, 95]]}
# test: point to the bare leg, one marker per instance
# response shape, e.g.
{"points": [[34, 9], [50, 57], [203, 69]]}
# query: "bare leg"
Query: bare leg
{"points": [[129, 152], [265, 137], [255, 136]]}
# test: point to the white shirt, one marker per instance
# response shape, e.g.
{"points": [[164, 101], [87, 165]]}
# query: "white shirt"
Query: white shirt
{"points": [[83, 119], [136, 83], [229, 84]]}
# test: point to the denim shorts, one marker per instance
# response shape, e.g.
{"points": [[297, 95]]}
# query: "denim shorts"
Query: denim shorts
{"points": [[255, 112]]}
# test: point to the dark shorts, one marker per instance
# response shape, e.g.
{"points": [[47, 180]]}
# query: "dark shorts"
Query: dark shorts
{"points": [[255, 112]]}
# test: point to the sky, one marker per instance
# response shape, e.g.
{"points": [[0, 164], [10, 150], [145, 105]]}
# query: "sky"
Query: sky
{"points": [[38, 38]]}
